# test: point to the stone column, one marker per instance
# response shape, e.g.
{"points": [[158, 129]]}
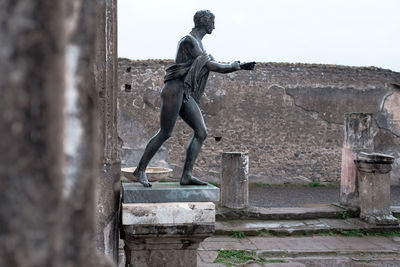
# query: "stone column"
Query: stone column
{"points": [[47, 130], [357, 137], [373, 171], [105, 69], [234, 180], [31, 128]]}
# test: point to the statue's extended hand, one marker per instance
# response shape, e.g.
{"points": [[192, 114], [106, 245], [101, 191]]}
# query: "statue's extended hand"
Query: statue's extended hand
{"points": [[247, 65]]}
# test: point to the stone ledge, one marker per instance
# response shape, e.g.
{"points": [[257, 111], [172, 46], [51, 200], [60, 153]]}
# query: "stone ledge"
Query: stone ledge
{"points": [[168, 230], [168, 192], [168, 213]]}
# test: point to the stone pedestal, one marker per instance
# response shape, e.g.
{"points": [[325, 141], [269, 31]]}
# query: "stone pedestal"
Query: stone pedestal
{"points": [[373, 172], [234, 180], [164, 225], [357, 137], [159, 252]]}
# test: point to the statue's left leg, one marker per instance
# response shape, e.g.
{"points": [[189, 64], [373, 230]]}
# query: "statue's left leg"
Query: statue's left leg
{"points": [[191, 114]]}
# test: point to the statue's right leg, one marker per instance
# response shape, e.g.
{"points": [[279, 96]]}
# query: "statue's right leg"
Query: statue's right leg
{"points": [[171, 96]]}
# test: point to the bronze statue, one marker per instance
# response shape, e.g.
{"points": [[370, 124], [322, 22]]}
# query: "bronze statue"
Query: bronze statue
{"points": [[184, 85]]}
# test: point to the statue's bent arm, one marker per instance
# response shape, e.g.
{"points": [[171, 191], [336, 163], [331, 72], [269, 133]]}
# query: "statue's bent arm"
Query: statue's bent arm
{"points": [[212, 65]]}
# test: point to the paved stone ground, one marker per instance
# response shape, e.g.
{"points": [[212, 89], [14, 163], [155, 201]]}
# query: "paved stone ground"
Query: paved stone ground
{"points": [[300, 196], [299, 251], [308, 250]]}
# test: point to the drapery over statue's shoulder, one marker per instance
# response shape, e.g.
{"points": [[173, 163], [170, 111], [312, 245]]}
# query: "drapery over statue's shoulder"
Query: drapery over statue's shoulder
{"points": [[194, 74]]}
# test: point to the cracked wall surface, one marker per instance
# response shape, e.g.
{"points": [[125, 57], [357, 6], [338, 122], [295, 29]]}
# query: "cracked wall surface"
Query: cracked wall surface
{"points": [[289, 117]]}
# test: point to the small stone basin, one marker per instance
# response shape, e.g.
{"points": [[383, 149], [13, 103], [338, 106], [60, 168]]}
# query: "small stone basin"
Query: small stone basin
{"points": [[153, 173]]}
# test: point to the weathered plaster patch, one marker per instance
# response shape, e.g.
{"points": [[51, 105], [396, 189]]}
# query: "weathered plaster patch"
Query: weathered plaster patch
{"points": [[390, 108], [329, 104]]}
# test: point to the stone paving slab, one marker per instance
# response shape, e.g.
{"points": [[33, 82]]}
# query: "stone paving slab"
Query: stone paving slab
{"points": [[232, 243], [319, 262], [309, 251]]}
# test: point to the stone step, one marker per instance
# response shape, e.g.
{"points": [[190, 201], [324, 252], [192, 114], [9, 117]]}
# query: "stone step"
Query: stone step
{"points": [[351, 226], [317, 211], [355, 260], [298, 213]]}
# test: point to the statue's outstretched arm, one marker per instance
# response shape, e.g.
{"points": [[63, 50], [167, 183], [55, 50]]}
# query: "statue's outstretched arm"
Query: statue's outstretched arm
{"points": [[223, 68], [233, 66]]}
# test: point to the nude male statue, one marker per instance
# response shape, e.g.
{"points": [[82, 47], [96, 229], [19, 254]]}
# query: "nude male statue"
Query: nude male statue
{"points": [[184, 85]]}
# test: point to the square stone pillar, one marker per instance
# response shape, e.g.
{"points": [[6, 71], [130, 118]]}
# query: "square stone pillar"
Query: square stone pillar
{"points": [[109, 171], [235, 180], [373, 171], [357, 137], [164, 225]]}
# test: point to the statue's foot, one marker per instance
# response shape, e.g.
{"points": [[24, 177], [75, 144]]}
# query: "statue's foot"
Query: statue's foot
{"points": [[142, 178], [191, 180]]}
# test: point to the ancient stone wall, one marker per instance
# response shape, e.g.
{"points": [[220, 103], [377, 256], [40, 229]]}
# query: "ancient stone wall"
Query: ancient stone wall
{"points": [[289, 117]]}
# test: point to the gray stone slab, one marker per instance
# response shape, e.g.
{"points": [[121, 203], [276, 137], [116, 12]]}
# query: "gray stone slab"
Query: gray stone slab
{"points": [[168, 192]]}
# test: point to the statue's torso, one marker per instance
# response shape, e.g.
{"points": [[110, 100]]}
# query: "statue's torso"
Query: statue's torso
{"points": [[188, 49]]}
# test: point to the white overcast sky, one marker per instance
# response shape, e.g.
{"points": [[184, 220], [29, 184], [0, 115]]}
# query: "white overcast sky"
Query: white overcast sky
{"points": [[344, 32]]}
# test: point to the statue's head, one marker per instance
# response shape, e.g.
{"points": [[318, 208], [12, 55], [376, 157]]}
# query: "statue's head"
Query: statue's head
{"points": [[204, 19]]}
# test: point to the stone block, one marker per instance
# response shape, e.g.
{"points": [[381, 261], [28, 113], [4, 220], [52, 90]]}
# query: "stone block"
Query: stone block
{"points": [[164, 245], [153, 252], [234, 180], [168, 213], [169, 192]]}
